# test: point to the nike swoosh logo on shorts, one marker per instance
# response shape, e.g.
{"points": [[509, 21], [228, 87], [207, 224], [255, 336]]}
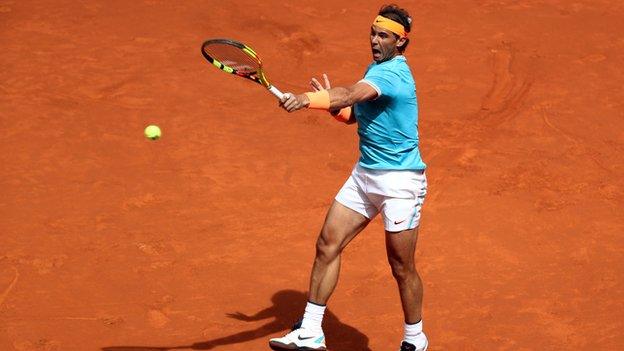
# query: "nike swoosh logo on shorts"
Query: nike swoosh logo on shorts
{"points": [[399, 222]]}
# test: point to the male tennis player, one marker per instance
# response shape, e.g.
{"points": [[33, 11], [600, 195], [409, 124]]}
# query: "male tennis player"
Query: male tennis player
{"points": [[389, 179]]}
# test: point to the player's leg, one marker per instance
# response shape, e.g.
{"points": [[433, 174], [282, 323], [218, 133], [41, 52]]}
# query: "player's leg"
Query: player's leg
{"points": [[400, 248], [341, 225], [401, 220], [348, 215]]}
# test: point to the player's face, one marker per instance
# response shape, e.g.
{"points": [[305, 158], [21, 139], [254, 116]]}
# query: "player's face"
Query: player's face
{"points": [[384, 44]]}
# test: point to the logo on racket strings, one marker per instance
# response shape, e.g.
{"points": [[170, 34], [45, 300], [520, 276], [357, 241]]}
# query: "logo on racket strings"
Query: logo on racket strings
{"points": [[238, 66]]}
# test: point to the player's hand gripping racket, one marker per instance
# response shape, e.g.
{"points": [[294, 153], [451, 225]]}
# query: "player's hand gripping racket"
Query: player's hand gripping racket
{"points": [[237, 58]]}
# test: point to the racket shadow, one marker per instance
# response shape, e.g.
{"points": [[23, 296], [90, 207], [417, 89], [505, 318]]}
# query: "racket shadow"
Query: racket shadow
{"points": [[287, 307]]}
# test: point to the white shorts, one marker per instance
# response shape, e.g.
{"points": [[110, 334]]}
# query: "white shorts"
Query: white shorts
{"points": [[398, 195]]}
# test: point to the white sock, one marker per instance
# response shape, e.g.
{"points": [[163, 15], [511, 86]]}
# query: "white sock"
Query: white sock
{"points": [[414, 334], [313, 317]]}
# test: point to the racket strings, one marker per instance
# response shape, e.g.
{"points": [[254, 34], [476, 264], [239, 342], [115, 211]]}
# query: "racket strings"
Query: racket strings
{"points": [[233, 57]]}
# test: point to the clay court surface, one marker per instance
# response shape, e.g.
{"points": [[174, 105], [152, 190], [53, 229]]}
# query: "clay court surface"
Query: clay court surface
{"points": [[204, 239]]}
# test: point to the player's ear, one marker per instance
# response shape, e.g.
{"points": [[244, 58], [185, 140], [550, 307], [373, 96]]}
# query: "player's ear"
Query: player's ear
{"points": [[401, 43]]}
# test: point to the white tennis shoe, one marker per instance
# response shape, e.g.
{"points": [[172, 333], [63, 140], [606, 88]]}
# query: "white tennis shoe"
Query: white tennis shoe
{"points": [[406, 346], [299, 339]]}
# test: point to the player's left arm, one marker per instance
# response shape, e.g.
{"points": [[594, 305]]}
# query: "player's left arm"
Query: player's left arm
{"points": [[345, 115], [338, 98]]}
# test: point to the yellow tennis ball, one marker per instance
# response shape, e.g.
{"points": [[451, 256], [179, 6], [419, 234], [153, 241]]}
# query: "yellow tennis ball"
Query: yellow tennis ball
{"points": [[152, 132]]}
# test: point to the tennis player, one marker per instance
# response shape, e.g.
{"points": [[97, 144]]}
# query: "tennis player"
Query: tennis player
{"points": [[389, 178]]}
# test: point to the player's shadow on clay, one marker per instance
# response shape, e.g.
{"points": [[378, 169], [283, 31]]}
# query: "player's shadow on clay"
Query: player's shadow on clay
{"points": [[287, 308]]}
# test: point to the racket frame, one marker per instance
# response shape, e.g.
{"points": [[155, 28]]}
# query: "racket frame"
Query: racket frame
{"points": [[257, 76]]}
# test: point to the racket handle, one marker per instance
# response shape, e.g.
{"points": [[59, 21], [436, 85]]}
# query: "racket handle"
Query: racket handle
{"points": [[276, 92]]}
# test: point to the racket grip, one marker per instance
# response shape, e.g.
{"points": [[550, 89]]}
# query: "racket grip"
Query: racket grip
{"points": [[276, 92]]}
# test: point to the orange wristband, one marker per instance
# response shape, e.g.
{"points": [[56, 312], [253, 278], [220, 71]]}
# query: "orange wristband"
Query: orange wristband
{"points": [[344, 115], [318, 100]]}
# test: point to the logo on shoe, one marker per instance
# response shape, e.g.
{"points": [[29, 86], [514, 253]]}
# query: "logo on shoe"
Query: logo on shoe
{"points": [[306, 338]]}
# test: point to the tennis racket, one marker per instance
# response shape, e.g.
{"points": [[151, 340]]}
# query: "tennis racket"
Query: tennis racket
{"points": [[237, 58]]}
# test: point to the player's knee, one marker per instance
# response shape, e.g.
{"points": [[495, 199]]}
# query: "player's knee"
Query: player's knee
{"points": [[326, 249], [402, 271]]}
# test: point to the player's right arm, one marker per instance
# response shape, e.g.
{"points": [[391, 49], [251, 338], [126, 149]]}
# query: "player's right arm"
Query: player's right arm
{"points": [[341, 117]]}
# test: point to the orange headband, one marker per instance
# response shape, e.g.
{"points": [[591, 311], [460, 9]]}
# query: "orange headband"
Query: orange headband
{"points": [[393, 26]]}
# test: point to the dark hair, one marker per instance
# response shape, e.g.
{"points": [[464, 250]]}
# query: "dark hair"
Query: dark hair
{"points": [[400, 15]]}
